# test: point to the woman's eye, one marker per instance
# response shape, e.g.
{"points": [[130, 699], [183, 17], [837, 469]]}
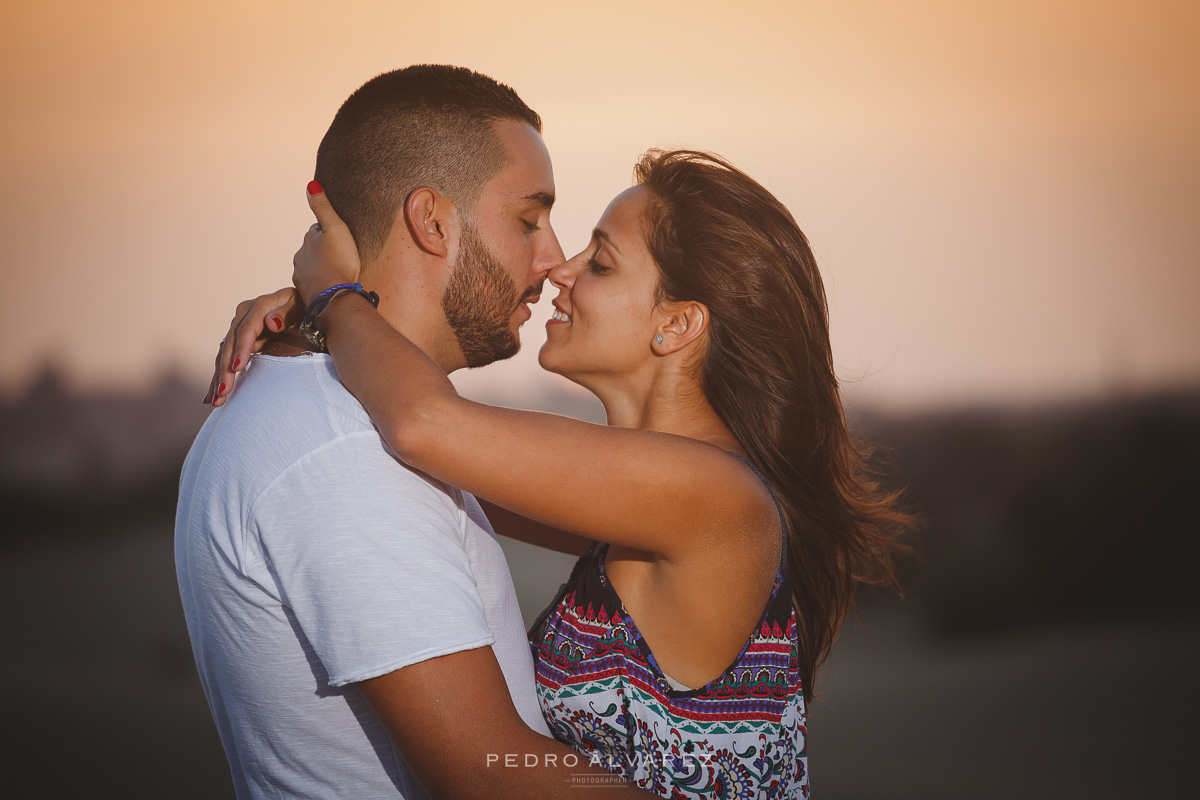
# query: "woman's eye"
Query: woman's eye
{"points": [[531, 226], [596, 267]]}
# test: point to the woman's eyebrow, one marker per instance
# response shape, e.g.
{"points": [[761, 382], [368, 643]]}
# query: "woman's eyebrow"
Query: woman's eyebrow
{"points": [[597, 233]]}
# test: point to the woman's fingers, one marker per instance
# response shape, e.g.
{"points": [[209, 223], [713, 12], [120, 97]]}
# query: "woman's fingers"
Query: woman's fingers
{"points": [[318, 201], [268, 313], [329, 255], [226, 378], [218, 383], [254, 321]]}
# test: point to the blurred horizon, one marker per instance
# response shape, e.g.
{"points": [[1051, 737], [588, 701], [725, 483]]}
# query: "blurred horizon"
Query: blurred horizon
{"points": [[1001, 196], [173, 377], [1052, 579]]}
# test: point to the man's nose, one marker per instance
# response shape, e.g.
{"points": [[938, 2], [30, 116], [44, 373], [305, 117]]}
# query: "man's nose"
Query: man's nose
{"points": [[549, 256]]}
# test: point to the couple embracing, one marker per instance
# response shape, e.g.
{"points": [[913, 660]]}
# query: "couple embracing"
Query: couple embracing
{"points": [[353, 619]]}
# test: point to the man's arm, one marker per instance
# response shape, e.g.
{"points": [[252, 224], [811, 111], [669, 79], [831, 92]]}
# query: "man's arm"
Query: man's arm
{"points": [[370, 558], [453, 720]]}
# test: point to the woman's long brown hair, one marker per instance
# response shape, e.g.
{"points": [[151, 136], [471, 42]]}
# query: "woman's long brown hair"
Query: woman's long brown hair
{"points": [[721, 239]]}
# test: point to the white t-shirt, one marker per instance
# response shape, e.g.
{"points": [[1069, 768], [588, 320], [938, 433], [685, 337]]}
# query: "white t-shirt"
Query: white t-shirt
{"points": [[309, 559]]}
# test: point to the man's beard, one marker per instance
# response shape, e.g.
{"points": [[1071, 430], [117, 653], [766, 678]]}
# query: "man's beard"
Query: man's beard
{"points": [[479, 301]]}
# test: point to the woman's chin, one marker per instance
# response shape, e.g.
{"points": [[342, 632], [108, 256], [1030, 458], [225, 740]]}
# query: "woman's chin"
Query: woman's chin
{"points": [[547, 360], [552, 359]]}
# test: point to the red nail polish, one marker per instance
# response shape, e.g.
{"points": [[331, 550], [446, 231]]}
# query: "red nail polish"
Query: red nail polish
{"points": [[221, 388], [236, 362], [314, 187], [276, 321]]}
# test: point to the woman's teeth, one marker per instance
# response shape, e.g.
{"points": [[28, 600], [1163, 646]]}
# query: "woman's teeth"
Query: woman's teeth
{"points": [[560, 316]]}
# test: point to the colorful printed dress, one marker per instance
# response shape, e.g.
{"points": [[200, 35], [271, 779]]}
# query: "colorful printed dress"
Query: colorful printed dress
{"points": [[741, 736]]}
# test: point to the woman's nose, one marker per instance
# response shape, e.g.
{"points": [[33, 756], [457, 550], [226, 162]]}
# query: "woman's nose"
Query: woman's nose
{"points": [[563, 275]]}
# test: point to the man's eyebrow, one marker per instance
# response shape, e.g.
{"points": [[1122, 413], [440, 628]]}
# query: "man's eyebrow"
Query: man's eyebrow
{"points": [[539, 199], [599, 234]]}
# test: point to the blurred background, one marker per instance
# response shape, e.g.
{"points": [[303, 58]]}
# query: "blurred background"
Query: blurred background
{"points": [[1004, 201]]}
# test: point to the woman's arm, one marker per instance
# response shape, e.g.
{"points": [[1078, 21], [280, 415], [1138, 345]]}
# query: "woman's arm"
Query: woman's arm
{"points": [[642, 489], [646, 490]]}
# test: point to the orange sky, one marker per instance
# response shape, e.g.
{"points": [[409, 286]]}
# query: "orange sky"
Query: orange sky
{"points": [[1003, 199]]}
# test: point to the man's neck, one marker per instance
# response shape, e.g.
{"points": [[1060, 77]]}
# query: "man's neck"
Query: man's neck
{"points": [[430, 334], [287, 343], [412, 305], [426, 327]]}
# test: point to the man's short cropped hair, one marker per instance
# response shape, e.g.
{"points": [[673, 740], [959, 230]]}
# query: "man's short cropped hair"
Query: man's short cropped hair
{"points": [[424, 125]]}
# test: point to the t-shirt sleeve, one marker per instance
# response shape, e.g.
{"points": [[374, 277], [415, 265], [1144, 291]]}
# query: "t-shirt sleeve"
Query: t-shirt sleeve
{"points": [[368, 557]]}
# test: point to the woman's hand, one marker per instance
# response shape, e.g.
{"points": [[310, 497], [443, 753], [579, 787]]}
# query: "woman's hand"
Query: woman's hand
{"points": [[329, 255], [253, 322]]}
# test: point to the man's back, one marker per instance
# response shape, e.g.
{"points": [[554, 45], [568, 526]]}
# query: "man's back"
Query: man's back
{"points": [[309, 559]]}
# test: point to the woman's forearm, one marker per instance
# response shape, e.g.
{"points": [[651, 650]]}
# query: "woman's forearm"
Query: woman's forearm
{"points": [[401, 387]]}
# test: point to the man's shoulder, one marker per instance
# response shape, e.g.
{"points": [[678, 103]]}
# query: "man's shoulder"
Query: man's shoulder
{"points": [[291, 437], [283, 411], [324, 428], [295, 404], [304, 388]]}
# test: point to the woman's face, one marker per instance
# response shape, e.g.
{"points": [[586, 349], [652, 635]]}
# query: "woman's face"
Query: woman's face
{"points": [[604, 322]]}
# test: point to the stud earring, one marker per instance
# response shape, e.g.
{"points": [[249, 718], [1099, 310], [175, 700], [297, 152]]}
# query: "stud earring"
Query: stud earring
{"points": [[658, 339]]}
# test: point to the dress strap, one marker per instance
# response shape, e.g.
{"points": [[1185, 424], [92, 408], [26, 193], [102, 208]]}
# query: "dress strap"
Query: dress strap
{"points": [[534, 632]]}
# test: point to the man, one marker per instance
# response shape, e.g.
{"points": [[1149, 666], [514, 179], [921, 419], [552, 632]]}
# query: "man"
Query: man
{"points": [[334, 597]]}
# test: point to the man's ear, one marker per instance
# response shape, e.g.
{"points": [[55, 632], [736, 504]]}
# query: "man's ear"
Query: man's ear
{"points": [[682, 324], [427, 212]]}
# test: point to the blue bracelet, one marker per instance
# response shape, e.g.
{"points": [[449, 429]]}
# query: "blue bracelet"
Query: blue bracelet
{"points": [[310, 328]]}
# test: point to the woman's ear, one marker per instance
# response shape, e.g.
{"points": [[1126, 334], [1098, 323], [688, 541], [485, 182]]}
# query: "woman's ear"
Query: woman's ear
{"points": [[682, 324], [426, 213]]}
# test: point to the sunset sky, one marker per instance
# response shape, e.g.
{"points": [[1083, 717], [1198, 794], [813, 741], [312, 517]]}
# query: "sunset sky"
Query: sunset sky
{"points": [[1004, 197]]}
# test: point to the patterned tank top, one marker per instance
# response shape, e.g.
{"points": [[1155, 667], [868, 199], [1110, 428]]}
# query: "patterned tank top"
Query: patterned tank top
{"points": [[743, 735]]}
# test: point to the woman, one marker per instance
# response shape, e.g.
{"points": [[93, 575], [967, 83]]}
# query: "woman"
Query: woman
{"points": [[728, 505]]}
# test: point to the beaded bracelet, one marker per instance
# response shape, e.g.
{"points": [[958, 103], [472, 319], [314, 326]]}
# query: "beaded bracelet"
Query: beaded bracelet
{"points": [[310, 328]]}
